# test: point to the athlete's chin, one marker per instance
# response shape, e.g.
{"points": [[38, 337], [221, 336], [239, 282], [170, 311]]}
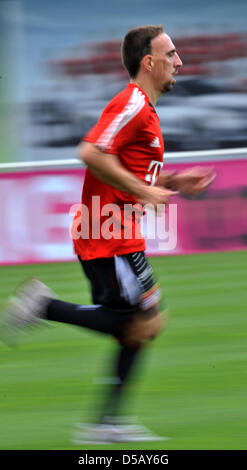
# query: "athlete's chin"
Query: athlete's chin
{"points": [[168, 86]]}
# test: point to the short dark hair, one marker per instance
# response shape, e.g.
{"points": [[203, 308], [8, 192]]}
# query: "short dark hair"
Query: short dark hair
{"points": [[137, 44]]}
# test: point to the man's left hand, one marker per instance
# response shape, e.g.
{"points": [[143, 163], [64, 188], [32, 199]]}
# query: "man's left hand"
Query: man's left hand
{"points": [[195, 180]]}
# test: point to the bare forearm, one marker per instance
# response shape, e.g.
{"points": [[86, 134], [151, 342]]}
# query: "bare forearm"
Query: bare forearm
{"points": [[168, 179], [108, 168]]}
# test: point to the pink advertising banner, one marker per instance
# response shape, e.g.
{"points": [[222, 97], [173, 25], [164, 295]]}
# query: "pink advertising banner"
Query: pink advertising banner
{"points": [[35, 215]]}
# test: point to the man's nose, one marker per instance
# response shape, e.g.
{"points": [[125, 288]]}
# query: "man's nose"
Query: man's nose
{"points": [[178, 62]]}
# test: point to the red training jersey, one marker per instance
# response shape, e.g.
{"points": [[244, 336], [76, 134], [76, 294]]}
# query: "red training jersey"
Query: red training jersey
{"points": [[129, 128]]}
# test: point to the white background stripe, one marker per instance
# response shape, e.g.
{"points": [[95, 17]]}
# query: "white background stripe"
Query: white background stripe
{"points": [[169, 157]]}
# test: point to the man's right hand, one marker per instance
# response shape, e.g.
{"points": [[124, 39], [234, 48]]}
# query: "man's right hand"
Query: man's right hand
{"points": [[156, 195]]}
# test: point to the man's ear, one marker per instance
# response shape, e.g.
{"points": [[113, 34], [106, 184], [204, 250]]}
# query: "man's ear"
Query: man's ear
{"points": [[147, 62]]}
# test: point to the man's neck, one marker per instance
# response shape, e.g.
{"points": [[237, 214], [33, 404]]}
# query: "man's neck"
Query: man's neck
{"points": [[147, 88]]}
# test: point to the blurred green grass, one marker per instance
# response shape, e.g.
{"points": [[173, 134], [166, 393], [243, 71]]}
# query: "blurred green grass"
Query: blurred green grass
{"points": [[192, 387]]}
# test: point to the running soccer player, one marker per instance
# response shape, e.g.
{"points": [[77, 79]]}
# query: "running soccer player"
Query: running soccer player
{"points": [[123, 153]]}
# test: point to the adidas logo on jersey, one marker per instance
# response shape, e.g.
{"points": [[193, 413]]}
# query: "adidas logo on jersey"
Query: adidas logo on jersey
{"points": [[155, 142]]}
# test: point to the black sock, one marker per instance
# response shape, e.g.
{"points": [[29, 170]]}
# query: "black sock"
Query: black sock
{"points": [[126, 360], [94, 317], [106, 320]]}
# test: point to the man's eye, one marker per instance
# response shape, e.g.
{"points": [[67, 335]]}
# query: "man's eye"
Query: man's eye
{"points": [[170, 54]]}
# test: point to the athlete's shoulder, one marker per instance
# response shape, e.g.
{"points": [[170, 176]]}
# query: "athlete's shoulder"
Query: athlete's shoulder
{"points": [[130, 99]]}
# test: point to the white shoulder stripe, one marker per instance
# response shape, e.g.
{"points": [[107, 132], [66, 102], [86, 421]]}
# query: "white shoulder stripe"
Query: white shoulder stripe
{"points": [[132, 108]]}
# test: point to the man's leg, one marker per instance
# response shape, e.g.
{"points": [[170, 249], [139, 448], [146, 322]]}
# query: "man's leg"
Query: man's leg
{"points": [[94, 317], [135, 283], [115, 285], [137, 335], [124, 282]]}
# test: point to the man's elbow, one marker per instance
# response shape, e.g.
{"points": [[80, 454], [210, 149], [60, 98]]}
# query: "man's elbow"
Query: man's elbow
{"points": [[84, 152]]}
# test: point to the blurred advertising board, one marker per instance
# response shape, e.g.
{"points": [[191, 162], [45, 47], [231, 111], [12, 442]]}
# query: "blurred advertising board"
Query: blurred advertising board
{"points": [[36, 217]]}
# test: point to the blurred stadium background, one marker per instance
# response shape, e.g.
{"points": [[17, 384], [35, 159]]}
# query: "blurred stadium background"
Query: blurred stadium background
{"points": [[60, 65]]}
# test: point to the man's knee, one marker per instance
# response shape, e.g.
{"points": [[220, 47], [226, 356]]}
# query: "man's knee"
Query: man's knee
{"points": [[145, 326]]}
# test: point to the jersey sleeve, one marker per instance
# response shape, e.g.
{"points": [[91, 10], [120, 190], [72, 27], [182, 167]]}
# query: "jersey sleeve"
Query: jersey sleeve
{"points": [[119, 123]]}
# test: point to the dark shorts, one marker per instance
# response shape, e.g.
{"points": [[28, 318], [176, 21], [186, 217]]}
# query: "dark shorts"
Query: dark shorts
{"points": [[122, 282]]}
